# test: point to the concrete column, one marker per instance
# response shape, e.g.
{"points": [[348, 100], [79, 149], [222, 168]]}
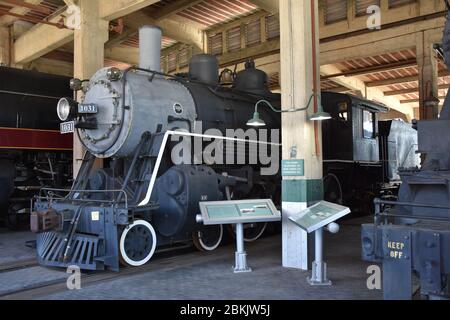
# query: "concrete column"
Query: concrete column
{"points": [[301, 137], [428, 76], [5, 41], [89, 53]]}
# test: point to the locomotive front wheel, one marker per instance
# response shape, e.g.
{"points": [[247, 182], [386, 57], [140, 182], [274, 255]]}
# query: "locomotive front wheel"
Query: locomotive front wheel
{"points": [[252, 231], [137, 244], [208, 239]]}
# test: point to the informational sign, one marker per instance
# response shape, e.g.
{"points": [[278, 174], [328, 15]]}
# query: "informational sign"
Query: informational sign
{"points": [[67, 127], [88, 108], [293, 168], [244, 211], [319, 216]]}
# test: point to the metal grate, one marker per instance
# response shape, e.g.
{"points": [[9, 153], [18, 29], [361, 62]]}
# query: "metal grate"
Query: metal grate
{"points": [[215, 44], [83, 252], [234, 39], [398, 3], [272, 27], [253, 33], [335, 10], [362, 5]]}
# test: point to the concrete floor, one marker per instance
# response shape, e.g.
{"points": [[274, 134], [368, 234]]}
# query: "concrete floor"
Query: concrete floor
{"points": [[198, 276]]}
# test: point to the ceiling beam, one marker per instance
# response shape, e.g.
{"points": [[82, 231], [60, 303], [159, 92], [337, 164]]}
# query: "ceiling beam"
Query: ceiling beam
{"points": [[172, 9], [111, 10], [28, 5], [272, 6], [7, 20], [46, 38], [388, 82], [119, 38], [180, 31], [406, 101], [373, 69], [410, 90]]}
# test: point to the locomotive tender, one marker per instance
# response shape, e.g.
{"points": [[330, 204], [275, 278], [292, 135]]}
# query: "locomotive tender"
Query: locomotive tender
{"points": [[141, 199], [33, 154]]}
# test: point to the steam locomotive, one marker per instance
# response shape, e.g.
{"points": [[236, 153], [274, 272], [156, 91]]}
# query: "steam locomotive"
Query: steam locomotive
{"points": [[142, 122], [412, 236], [33, 154]]}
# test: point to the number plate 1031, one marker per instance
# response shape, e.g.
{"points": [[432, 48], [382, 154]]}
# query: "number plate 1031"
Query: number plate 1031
{"points": [[68, 127]]}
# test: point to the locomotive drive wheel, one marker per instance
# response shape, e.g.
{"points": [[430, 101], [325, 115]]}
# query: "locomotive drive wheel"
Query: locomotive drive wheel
{"points": [[137, 244], [252, 231], [333, 189], [208, 239]]}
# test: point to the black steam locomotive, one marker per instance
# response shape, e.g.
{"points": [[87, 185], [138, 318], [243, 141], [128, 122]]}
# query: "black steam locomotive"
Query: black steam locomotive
{"points": [[362, 155], [412, 236], [154, 132], [33, 154]]}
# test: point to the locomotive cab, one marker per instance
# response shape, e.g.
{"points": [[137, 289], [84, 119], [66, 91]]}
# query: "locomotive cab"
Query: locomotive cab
{"points": [[351, 150]]}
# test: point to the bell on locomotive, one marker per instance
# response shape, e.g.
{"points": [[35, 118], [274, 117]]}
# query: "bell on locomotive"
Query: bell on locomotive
{"points": [[140, 200]]}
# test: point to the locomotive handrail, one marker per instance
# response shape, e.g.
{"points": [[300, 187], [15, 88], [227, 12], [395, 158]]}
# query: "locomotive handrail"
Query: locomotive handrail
{"points": [[188, 134], [70, 191], [409, 204], [379, 213]]}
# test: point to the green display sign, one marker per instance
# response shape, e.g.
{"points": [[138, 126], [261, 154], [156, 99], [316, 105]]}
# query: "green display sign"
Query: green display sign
{"points": [[245, 211], [319, 216], [293, 168]]}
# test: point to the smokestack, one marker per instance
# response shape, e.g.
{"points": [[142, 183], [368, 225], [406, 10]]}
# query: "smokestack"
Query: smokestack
{"points": [[150, 38]]}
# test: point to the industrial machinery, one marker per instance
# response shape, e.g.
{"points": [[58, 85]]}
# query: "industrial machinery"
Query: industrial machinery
{"points": [[411, 237], [136, 120], [33, 154]]}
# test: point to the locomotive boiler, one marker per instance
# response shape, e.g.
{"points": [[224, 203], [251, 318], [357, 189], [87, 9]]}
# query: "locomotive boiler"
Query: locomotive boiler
{"points": [[134, 119], [33, 154], [411, 237]]}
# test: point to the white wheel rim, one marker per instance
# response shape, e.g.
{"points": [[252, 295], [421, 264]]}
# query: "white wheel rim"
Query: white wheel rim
{"points": [[263, 229], [254, 238], [122, 244], [210, 248]]}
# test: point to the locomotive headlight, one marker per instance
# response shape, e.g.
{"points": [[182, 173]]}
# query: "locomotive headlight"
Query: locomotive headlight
{"points": [[66, 108]]}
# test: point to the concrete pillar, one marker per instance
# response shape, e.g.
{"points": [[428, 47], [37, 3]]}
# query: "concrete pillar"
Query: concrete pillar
{"points": [[89, 53], [428, 76], [301, 137], [5, 41]]}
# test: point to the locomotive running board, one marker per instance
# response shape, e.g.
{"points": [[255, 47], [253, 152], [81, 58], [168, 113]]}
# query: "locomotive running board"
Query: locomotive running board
{"points": [[192, 135]]}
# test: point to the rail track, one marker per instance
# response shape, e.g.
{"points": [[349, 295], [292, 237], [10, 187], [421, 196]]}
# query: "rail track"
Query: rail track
{"points": [[162, 260], [18, 265]]}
